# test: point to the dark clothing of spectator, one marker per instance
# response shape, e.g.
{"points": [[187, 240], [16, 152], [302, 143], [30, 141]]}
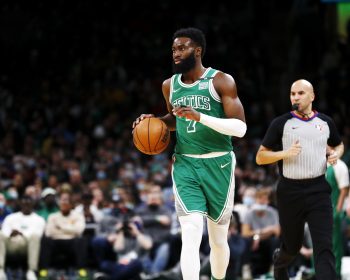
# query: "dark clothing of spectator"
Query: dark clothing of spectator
{"points": [[63, 253]]}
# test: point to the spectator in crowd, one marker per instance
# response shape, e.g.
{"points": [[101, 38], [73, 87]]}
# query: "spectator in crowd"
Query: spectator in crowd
{"points": [[131, 246], [63, 237], [98, 197], [261, 229], [48, 203], [20, 236], [18, 184], [103, 241], [157, 223], [92, 216], [53, 182], [248, 200], [77, 185], [91, 213], [4, 210], [33, 192], [175, 241], [88, 209], [12, 196]]}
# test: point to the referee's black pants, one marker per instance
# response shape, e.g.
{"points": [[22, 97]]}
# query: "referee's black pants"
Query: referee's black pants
{"points": [[301, 201]]}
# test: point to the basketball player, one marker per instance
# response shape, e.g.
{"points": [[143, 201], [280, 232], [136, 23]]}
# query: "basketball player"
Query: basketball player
{"points": [[298, 141], [205, 111], [337, 176]]}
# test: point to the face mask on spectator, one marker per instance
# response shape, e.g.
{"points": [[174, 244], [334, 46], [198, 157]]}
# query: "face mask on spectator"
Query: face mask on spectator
{"points": [[143, 197], [153, 206], [2, 205], [259, 207], [248, 200], [50, 203], [18, 167], [140, 186], [12, 194]]}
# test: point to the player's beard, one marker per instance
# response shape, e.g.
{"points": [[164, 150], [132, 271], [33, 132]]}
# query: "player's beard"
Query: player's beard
{"points": [[185, 65]]}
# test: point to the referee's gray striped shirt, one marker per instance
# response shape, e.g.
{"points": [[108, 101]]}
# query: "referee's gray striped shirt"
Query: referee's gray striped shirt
{"points": [[313, 135]]}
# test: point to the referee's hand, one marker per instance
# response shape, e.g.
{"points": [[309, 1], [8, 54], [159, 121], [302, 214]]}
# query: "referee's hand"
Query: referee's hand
{"points": [[332, 157], [294, 150]]}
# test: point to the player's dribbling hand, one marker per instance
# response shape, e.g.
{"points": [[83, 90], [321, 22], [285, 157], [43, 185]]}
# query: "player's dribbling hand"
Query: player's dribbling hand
{"points": [[294, 150], [140, 118], [186, 112]]}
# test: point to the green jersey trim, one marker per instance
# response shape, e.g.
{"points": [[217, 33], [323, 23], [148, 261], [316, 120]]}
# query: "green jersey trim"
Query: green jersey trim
{"points": [[213, 93], [171, 87], [181, 83], [212, 90]]}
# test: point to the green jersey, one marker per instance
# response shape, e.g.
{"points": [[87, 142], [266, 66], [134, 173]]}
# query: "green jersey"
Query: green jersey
{"points": [[193, 137], [337, 235], [332, 180]]}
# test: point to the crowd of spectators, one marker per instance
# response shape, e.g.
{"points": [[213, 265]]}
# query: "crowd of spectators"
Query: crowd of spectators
{"points": [[77, 75]]}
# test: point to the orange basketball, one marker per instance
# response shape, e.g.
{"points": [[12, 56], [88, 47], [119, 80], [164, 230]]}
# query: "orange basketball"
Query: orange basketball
{"points": [[151, 136]]}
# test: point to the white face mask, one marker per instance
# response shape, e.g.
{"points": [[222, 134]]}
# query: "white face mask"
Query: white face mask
{"points": [[248, 200], [260, 207], [12, 193]]}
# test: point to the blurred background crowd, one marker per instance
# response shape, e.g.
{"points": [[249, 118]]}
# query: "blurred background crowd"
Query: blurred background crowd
{"points": [[73, 77]]}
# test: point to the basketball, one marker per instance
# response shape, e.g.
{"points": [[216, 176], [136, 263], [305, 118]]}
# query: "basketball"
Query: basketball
{"points": [[151, 136]]}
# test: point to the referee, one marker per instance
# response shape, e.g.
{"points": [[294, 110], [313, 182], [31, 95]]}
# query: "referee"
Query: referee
{"points": [[298, 140]]}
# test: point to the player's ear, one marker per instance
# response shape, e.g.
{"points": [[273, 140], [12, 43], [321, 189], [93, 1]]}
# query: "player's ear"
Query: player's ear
{"points": [[198, 51]]}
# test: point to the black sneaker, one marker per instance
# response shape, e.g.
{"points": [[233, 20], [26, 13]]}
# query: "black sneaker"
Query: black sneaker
{"points": [[279, 272]]}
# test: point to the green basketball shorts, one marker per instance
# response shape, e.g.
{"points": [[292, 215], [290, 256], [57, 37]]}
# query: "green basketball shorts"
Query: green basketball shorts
{"points": [[204, 185]]}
